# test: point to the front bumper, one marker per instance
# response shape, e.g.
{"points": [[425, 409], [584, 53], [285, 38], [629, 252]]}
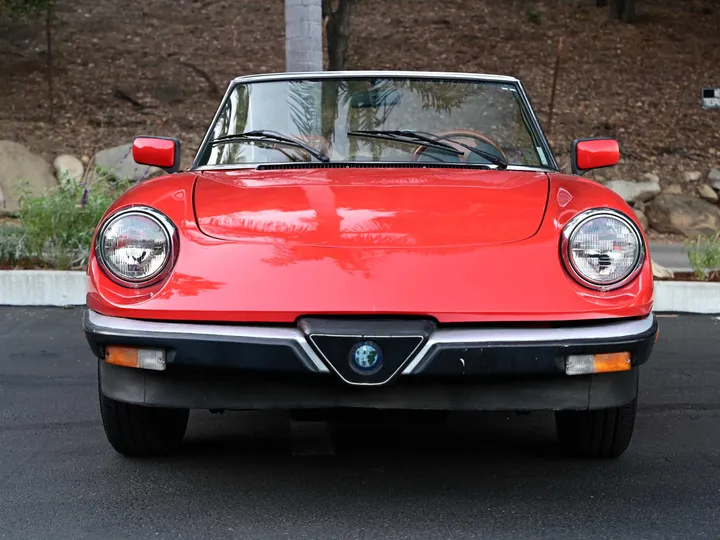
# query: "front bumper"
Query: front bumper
{"points": [[471, 368]]}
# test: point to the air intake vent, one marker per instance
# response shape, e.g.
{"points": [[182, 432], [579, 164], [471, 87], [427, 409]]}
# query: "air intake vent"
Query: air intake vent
{"points": [[370, 165]]}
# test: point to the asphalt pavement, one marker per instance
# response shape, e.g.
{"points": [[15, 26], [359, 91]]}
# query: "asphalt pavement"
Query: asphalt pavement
{"points": [[672, 256], [259, 476]]}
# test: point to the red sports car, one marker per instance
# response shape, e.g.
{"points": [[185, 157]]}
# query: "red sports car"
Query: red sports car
{"points": [[371, 240]]}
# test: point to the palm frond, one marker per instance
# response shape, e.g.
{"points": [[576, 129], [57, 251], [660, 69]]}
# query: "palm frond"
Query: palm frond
{"points": [[443, 96], [303, 104]]}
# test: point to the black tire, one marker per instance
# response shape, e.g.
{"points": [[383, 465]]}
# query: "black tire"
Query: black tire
{"points": [[137, 431], [603, 433]]}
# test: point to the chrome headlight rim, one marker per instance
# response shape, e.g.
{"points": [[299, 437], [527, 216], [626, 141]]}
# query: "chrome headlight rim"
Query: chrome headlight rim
{"points": [[171, 236], [576, 223]]}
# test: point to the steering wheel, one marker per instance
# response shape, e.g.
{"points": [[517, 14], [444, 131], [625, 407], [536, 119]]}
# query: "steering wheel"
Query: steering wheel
{"points": [[472, 138]]}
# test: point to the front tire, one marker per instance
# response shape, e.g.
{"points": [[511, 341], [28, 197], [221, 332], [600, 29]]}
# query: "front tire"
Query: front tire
{"points": [[602, 433], [138, 431]]}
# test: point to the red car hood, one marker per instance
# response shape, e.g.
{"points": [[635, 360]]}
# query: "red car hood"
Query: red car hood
{"points": [[275, 274], [349, 207]]}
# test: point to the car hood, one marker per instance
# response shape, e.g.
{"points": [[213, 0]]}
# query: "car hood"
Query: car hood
{"points": [[372, 207]]}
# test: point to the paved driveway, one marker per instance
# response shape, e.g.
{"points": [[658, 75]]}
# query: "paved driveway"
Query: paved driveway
{"points": [[244, 475]]}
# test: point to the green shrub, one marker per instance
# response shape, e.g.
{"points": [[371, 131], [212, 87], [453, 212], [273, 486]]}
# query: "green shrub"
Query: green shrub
{"points": [[12, 250], [704, 255], [57, 228], [534, 16], [30, 8]]}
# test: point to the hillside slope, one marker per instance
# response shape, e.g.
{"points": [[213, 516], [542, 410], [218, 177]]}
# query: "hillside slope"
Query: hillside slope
{"points": [[641, 83]]}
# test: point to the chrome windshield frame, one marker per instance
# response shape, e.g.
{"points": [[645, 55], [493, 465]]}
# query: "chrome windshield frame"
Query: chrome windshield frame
{"points": [[290, 76]]}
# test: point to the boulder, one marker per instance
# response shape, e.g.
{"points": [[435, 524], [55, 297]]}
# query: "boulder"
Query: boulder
{"points": [[692, 176], [118, 162], [674, 189], [68, 167], [642, 218], [634, 191], [707, 193], [20, 169], [714, 178], [682, 214], [661, 272], [651, 177]]}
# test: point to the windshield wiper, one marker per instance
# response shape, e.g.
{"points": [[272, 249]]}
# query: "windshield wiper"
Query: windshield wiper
{"points": [[271, 136], [405, 136], [495, 160], [430, 140]]}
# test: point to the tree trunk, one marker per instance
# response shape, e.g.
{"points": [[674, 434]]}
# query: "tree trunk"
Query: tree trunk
{"points": [[630, 11], [623, 10], [303, 35], [554, 85], [338, 33], [49, 65]]}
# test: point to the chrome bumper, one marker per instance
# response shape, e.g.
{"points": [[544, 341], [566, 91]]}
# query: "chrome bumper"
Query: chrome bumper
{"points": [[442, 351]]}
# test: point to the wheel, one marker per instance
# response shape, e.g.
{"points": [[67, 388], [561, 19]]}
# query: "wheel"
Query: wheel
{"points": [[604, 433], [134, 430]]}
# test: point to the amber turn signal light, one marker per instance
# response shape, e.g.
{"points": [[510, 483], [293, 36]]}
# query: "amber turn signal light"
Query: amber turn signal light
{"points": [[135, 358], [584, 364]]}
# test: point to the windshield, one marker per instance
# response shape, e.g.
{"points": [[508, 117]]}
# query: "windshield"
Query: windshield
{"points": [[374, 120]]}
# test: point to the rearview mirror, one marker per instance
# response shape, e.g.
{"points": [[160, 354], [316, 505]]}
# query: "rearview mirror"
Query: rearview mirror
{"points": [[590, 154], [162, 152]]}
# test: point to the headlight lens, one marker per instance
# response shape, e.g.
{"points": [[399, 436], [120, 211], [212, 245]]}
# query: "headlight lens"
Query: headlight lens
{"points": [[135, 246], [603, 248]]}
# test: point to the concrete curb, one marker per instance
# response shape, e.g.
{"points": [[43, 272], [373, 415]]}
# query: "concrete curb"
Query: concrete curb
{"points": [[60, 288], [687, 297], [42, 288]]}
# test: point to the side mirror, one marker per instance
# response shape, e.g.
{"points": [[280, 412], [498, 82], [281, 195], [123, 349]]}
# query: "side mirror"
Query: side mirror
{"points": [[590, 154], [162, 152]]}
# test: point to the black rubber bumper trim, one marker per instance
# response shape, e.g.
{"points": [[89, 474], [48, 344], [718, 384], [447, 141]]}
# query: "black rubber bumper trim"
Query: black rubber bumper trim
{"points": [[203, 389], [533, 358], [442, 359], [213, 352]]}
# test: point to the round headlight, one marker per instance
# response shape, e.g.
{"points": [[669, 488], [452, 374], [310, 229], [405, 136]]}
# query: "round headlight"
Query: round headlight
{"points": [[135, 246], [602, 249]]}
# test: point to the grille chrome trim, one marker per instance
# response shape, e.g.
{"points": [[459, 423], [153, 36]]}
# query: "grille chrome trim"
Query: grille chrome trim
{"points": [[421, 339]]}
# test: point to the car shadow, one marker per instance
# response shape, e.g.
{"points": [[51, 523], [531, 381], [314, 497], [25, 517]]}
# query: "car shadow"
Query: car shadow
{"points": [[270, 436], [470, 464]]}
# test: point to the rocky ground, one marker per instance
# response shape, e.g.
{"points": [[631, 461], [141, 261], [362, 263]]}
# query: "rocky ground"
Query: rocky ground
{"points": [[158, 67]]}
